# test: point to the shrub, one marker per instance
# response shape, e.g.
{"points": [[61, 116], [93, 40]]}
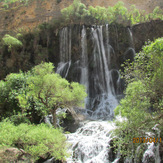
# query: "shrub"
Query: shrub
{"points": [[13, 86], [37, 141], [11, 42]]}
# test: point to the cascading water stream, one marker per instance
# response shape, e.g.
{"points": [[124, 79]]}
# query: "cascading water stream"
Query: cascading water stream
{"points": [[102, 94], [90, 143], [131, 38], [65, 44], [63, 68], [84, 60], [65, 52]]}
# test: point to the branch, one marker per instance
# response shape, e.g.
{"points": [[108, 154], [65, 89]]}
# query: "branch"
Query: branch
{"points": [[42, 99]]}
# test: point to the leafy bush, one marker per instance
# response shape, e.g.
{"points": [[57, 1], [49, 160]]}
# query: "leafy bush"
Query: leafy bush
{"points": [[13, 85], [37, 141], [157, 13], [75, 12], [11, 41], [134, 107], [97, 14], [142, 106], [148, 68], [135, 15]]}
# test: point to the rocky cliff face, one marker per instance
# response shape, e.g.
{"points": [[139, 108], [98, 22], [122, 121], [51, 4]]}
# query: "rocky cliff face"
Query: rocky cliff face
{"points": [[35, 12], [146, 31], [45, 46]]}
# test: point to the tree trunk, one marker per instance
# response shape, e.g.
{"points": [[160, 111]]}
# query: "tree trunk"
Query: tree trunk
{"points": [[53, 111]]}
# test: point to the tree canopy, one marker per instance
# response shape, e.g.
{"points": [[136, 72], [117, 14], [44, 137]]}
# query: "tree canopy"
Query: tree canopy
{"points": [[41, 89], [53, 91]]}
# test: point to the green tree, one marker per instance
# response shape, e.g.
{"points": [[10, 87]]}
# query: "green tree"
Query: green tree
{"points": [[75, 12], [14, 45], [52, 91], [134, 107], [157, 13], [120, 13], [142, 106], [134, 14], [98, 14], [38, 92]]}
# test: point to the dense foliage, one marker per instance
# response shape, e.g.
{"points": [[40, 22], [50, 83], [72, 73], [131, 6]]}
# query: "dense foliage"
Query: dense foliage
{"points": [[13, 85], [51, 91], [24, 96], [77, 12], [36, 141], [142, 106], [41, 91]]}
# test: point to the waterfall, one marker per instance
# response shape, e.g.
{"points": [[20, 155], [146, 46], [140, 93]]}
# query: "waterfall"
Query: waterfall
{"points": [[84, 60], [130, 52], [131, 38], [95, 72], [65, 52], [90, 143], [63, 68], [102, 93], [65, 44]]}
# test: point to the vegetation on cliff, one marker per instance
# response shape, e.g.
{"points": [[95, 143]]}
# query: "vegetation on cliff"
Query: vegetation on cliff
{"points": [[79, 13], [142, 106], [11, 42]]}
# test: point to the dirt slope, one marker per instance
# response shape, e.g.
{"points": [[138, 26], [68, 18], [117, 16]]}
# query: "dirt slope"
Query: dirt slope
{"points": [[39, 11]]}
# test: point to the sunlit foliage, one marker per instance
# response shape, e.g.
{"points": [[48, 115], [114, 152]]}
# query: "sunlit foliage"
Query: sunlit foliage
{"points": [[40, 89], [11, 41], [142, 106], [36, 141]]}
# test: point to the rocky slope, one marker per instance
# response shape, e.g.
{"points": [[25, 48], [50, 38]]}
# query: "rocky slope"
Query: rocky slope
{"points": [[20, 16]]}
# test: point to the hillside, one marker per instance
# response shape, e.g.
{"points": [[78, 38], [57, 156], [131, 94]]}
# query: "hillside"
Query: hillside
{"points": [[18, 15]]}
